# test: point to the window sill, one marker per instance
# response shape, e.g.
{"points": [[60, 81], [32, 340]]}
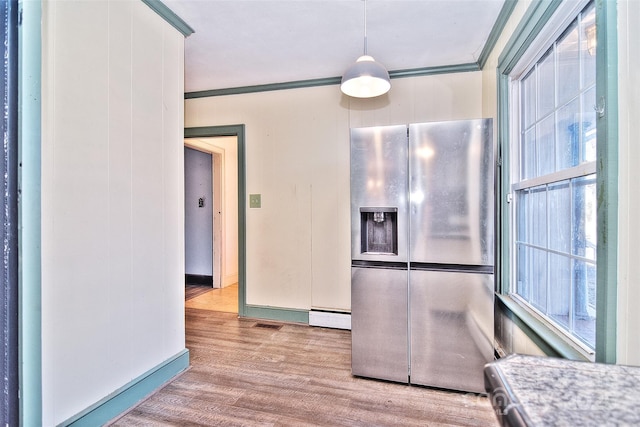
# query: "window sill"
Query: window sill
{"points": [[548, 339]]}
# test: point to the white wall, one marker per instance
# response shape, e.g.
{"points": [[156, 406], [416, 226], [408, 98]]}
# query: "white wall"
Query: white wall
{"points": [[112, 199], [628, 351], [297, 158]]}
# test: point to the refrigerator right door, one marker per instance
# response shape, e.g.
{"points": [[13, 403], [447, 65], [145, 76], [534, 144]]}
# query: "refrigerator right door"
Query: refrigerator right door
{"points": [[451, 253], [451, 316], [451, 191]]}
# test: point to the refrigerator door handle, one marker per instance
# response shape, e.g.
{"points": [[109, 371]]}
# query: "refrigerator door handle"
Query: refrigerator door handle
{"points": [[388, 265], [458, 268]]}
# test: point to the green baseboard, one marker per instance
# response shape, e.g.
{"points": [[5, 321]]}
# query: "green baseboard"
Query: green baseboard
{"points": [[129, 395], [274, 313]]}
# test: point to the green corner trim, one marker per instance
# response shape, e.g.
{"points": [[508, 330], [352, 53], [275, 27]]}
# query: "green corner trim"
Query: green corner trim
{"points": [[168, 15], [496, 31], [607, 180], [263, 88], [239, 132], [280, 314], [525, 33], [299, 84], [544, 337], [132, 393], [30, 245]]}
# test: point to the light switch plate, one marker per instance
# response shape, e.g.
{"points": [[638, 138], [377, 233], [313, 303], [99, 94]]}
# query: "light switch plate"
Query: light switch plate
{"points": [[255, 201]]}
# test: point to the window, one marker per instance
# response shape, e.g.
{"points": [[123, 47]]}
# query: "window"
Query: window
{"points": [[553, 181]]}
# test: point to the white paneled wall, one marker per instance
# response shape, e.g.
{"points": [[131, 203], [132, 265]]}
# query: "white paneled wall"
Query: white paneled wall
{"points": [[297, 158], [628, 351], [112, 199]]}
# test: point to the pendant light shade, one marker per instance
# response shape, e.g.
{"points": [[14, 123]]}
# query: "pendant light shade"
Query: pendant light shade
{"points": [[365, 79]]}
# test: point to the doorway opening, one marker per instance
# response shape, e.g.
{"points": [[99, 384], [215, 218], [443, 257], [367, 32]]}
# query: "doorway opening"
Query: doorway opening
{"points": [[214, 267]]}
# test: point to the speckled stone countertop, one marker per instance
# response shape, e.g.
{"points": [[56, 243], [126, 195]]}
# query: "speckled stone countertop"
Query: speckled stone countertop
{"points": [[546, 391]]}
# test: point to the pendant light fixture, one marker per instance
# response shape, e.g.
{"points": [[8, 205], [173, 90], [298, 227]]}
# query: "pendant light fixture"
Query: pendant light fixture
{"points": [[367, 78]]}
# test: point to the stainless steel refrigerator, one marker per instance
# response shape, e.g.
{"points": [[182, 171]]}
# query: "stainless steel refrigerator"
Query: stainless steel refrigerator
{"points": [[422, 253]]}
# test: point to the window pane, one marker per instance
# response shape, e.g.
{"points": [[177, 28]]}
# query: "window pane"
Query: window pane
{"points": [[585, 301], [521, 216], [538, 279], [537, 212], [528, 99], [546, 85], [545, 144], [522, 259], [569, 135], [560, 288], [560, 217], [589, 126], [584, 217], [568, 66], [588, 30], [528, 151]]}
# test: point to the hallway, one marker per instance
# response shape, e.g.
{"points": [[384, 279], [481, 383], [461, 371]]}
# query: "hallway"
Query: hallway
{"points": [[249, 372]]}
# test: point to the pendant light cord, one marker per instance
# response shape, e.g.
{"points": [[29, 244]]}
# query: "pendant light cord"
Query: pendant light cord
{"points": [[365, 26]]}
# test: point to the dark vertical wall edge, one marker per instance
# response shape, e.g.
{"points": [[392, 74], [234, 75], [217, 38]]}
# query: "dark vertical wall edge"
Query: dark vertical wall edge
{"points": [[9, 170]]}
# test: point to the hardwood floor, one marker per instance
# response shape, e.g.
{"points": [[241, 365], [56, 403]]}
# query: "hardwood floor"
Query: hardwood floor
{"points": [[192, 291], [247, 373], [223, 299]]}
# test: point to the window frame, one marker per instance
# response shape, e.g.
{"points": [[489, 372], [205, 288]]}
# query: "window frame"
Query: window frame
{"points": [[544, 22]]}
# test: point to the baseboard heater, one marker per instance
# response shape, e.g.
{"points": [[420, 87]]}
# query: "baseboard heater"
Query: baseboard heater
{"points": [[330, 319]]}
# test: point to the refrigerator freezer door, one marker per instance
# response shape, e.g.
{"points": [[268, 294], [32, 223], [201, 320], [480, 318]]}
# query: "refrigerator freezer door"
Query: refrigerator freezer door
{"points": [[451, 192], [451, 328], [379, 323], [379, 179]]}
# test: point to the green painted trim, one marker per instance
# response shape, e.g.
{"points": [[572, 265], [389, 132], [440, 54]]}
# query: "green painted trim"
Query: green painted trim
{"points": [[607, 181], [432, 71], [131, 394], [168, 15], [301, 84], [525, 33], [263, 88], [280, 314], [30, 268], [503, 186], [496, 31], [239, 132], [544, 337]]}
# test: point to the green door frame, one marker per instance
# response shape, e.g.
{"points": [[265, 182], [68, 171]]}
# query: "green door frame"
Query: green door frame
{"points": [[238, 132]]}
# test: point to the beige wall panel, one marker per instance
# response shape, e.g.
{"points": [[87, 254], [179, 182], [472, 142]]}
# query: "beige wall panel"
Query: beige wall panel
{"points": [[421, 99], [112, 274], [297, 156], [489, 76]]}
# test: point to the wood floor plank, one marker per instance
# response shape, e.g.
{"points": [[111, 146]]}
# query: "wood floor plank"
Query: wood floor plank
{"points": [[245, 375]]}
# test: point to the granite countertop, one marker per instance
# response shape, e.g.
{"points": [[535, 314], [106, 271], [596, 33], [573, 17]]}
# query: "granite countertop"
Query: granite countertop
{"points": [[547, 391]]}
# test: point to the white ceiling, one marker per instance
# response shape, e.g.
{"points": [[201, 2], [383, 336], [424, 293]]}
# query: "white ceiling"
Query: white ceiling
{"points": [[252, 42]]}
